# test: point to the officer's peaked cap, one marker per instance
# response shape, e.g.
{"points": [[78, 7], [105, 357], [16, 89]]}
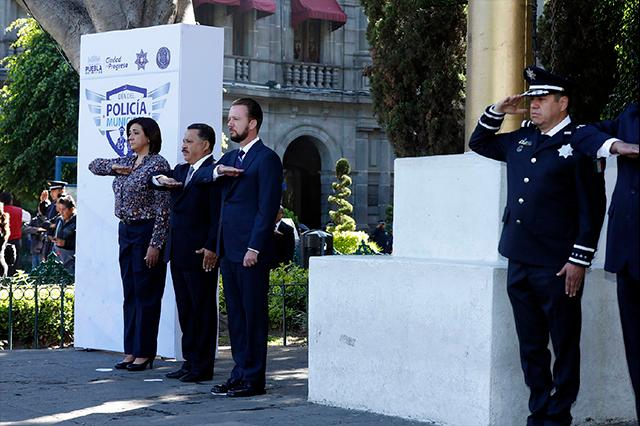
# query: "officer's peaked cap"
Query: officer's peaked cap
{"points": [[542, 82], [56, 184]]}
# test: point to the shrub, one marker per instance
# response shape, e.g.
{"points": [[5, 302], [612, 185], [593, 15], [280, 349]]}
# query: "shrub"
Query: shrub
{"points": [[24, 314], [341, 216], [296, 297], [354, 242], [49, 276]]}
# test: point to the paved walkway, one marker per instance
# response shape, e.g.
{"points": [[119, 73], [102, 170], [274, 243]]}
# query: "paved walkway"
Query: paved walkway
{"points": [[63, 386]]}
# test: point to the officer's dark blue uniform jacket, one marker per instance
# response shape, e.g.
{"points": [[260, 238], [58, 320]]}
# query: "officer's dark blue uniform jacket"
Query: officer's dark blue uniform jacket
{"points": [[555, 197], [623, 232]]}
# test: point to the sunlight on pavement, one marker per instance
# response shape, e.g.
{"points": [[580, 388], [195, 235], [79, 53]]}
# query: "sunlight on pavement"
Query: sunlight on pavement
{"points": [[109, 407]]}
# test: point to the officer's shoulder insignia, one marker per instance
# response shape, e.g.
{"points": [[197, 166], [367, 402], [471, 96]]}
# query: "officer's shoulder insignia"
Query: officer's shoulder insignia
{"points": [[579, 126], [565, 151], [526, 123], [567, 133]]}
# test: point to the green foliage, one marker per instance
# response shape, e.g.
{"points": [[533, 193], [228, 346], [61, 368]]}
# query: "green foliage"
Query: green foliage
{"points": [[627, 88], [342, 221], [50, 277], [577, 39], [296, 297], [417, 75], [38, 111], [285, 281], [289, 214], [354, 242]]}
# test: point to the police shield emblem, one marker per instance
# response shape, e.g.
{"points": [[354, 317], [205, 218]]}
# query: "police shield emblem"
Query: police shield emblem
{"points": [[112, 111]]}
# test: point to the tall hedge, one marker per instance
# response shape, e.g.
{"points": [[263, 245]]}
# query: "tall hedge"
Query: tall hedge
{"points": [[38, 112], [417, 75], [595, 42]]}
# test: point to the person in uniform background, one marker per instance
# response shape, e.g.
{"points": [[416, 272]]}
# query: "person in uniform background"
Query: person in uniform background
{"points": [[144, 224], [284, 241], [552, 221], [620, 137], [191, 249]]}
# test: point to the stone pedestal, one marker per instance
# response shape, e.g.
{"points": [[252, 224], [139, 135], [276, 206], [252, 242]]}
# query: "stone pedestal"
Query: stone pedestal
{"points": [[428, 333]]}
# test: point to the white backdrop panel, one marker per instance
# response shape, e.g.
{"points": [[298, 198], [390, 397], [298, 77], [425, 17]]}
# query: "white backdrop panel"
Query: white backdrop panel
{"points": [[172, 73]]}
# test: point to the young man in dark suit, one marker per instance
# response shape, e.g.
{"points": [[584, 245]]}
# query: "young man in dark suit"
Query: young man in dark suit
{"points": [[250, 180], [620, 137], [191, 249]]}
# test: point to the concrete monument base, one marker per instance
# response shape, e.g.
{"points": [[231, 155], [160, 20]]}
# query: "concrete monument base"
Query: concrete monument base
{"points": [[428, 333]]}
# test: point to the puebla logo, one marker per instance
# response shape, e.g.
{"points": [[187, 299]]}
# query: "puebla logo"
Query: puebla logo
{"points": [[112, 111], [163, 58]]}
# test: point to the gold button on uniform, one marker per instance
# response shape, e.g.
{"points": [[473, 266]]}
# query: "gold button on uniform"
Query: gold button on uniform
{"points": [[533, 160], [521, 200], [526, 180]]}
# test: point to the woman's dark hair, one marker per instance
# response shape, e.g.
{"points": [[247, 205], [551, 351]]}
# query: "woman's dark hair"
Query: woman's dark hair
{"points": [[67, 201], [151, 130]]}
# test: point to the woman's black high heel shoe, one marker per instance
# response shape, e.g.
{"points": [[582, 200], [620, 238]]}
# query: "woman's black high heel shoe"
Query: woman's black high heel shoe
{"points": [[141, 366], [122, 365]]}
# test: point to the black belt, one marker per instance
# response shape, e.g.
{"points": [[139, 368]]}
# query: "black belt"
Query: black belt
{"points": [[136, 221]]}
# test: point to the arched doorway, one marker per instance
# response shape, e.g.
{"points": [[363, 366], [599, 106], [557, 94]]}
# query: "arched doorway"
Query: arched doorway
{"points": [[302, 180]]}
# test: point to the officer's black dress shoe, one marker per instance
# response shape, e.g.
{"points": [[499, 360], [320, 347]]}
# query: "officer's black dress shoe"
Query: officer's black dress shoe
{"points": [[177, 374], [245, 391], [194, 377], [223, 388]]}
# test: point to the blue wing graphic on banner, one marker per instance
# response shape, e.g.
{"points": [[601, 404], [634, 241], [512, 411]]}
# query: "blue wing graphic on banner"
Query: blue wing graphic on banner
{"points": [[112, 111]]}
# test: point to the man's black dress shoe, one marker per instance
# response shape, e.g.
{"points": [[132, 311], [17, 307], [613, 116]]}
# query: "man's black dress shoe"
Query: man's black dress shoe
{"points": [[223, 388], [194, 377], [177, 374], [245, 392], [122, 365]]}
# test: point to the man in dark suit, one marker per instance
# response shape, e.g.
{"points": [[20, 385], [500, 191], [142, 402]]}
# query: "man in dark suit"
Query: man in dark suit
{"points": [[250, 180], [191, 249], [284, 241], [620, 137], [552, 221]]}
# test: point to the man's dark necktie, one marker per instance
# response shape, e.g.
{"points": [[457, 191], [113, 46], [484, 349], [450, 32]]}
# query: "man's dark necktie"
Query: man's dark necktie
{"points": [[189, 174], [239, 159]]}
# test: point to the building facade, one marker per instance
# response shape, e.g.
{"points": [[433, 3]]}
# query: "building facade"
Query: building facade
{"points": [[9, 12], [303, 60]]}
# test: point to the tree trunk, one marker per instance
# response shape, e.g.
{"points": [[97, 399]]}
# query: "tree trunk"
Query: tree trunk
{"points": [[67, 20]]}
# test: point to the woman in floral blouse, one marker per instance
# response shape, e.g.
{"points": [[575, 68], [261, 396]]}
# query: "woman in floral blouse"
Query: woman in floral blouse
{"points": [[144, 217]]}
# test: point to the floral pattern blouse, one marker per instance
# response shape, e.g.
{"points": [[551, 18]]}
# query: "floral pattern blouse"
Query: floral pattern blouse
{"points": [[134, 198]]}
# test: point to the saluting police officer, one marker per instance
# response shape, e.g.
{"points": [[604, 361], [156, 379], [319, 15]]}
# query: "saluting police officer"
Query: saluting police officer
{"points": [[552, 220]]}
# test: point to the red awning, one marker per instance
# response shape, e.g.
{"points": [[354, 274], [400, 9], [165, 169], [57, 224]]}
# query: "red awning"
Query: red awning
{"points": [[197, 3], [262, 7], [325, 10]]}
